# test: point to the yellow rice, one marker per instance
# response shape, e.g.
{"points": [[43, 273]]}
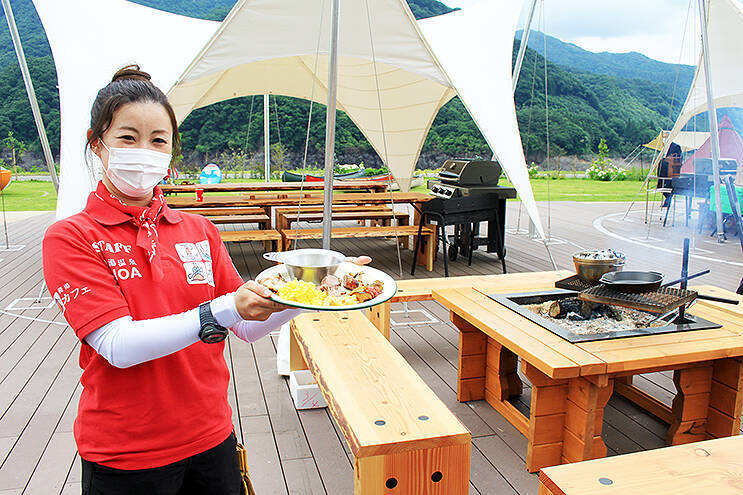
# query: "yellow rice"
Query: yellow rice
{"points": [[303, 292]]}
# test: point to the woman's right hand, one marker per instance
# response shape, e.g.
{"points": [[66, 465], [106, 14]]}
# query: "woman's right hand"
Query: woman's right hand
{"points": [[253, 303]]}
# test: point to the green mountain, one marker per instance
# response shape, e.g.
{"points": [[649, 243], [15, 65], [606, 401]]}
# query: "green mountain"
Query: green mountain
{"points": [[631, 65]]}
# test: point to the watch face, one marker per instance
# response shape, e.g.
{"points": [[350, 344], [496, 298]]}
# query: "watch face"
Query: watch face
{"points": [[212, 334]]}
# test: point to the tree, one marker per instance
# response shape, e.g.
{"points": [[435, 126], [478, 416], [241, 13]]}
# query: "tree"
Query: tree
{"points": [[17, 148]]}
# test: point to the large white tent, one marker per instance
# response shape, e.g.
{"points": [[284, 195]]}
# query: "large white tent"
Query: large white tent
{"points": [[724, 27], [386, 60], [90, 40]]}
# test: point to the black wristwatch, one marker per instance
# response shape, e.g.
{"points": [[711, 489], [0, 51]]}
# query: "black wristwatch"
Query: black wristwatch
{"points": [[211, 332]]}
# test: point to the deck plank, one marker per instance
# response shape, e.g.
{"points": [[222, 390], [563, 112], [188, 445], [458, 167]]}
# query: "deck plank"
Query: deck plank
{"points": [[291, 452]]}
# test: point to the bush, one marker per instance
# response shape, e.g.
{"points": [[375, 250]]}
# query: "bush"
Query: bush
{"points": [[607, 173], [533, 170], [604, 169], [375, 171]]}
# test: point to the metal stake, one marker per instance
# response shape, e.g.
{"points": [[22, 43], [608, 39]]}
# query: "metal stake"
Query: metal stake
{"points": [[522, 47], [31, 94], [327, 210], [266, 139], [714, 138]]}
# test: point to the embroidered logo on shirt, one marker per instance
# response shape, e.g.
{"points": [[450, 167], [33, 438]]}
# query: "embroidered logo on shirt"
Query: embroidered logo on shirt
{"points": [[197, 262]]}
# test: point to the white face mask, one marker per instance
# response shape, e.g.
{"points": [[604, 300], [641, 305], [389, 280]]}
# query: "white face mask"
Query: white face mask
{"points": [[136, 171]]}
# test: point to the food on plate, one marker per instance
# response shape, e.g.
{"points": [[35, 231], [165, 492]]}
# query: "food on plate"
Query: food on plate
{"points": [[333, 291]]}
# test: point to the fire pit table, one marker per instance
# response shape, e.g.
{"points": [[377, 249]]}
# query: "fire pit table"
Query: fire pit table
{"points": [[572, 382]]}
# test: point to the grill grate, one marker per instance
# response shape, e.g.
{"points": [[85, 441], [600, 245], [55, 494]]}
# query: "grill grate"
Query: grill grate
{"points": [[572, 283], [660, 301]]}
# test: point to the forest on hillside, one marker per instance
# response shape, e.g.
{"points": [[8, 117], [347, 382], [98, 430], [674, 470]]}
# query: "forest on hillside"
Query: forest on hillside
{"points": [[584, 107]]}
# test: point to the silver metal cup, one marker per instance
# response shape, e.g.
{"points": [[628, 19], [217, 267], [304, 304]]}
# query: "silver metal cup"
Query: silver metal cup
{"points": [[310, 265]]}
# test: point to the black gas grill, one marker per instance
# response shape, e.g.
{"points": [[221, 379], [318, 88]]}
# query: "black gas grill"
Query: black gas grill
{"points": [[460, 178], [468, 193]]}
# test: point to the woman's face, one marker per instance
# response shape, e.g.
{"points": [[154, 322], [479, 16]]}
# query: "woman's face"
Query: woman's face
{"points": [[135, 125]]}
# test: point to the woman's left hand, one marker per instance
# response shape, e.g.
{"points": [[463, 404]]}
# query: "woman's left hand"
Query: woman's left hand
{"points": [[360, 260]]}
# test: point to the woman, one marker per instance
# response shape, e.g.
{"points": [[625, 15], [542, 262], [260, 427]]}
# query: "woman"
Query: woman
{"points": [[150, 292]]}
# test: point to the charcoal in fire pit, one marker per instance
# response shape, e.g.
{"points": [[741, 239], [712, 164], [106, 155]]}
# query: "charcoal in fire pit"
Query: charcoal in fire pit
{"points": [[560, 309], [574, 309]]}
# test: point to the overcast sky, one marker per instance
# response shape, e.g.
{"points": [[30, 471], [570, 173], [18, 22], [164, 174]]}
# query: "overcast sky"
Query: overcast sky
{"points": [[652, 27]]}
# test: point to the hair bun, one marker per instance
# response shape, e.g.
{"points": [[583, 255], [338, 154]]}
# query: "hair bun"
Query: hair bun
{"points": [[131, 72]]}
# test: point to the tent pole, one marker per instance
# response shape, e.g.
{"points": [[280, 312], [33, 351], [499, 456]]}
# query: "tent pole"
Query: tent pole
{"points": [[266, 139], [714, 137], [522, 47], [330, 124], [31, 94]]}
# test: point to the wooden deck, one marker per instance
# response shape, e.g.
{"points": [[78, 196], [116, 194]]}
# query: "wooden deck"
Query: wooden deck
{"points": [[303, 452]]}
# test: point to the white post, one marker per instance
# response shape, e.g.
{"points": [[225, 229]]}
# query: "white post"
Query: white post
{"points": [[522, 47], [266, 138], [327, 210], [31, 94], [712, 121]]}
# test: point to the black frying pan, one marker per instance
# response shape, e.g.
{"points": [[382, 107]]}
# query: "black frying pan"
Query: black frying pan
{"points": [[629, 281]]}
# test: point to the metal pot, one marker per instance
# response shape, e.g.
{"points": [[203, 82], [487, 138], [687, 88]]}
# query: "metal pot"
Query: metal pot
{"points": [[310, 265], [632, 281], [590, 270]]}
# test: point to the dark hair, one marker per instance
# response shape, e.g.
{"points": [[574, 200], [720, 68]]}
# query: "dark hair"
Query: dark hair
{"points": [[129, 85]]}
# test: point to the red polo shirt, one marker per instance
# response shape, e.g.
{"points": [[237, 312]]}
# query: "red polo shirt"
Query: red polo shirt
{"points": [[164, 410]]}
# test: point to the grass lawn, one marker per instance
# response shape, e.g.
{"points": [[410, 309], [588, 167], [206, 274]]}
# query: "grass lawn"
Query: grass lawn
{"points": [[29, 195], [39, 195], [585, 190]]}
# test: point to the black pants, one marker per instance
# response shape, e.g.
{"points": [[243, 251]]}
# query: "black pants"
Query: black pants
{"points": [[214, 472]]}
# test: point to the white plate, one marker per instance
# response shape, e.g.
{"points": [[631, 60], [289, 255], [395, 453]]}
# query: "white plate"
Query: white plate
{"points": [[368, 275]]}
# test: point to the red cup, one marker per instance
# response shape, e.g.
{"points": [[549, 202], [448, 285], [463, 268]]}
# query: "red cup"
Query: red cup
{"points": [[199, 195]]}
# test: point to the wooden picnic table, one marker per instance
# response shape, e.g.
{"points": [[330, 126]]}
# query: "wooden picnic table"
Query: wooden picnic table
{"points": [[571, 383], [368, 185], [292, 199]]}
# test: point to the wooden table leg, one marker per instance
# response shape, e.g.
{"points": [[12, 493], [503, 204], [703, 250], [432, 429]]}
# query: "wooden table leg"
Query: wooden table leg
{"points": [[472, 360], [584, 418], [691, 405], [501, 377], [296, 360], [726, 398], [379, 315], [545, 432], [404, 241]]}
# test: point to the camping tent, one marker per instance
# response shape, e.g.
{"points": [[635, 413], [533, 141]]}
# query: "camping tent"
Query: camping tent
{"points": [[688, 140], [270, 46], [731, 146], [724, 25], [90, 40], [392, 79]]}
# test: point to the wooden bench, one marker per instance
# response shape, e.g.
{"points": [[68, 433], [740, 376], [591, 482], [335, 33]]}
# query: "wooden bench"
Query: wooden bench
{"points": [[383, 218], [404, 231], [265, 235], [223, 211], [263, 220], [700, 468], [403, 438]]}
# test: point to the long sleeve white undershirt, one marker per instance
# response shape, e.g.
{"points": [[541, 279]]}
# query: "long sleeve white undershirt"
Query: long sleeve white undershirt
{"points": [[125, 342]]}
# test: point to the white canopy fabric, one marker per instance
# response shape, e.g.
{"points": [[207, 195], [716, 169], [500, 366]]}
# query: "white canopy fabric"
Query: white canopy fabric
{"points": [[479, 61], [90, 40], [724, 25], [274, 46]]}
